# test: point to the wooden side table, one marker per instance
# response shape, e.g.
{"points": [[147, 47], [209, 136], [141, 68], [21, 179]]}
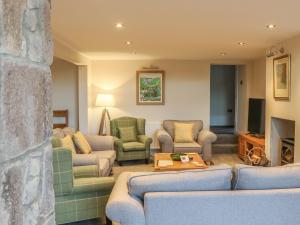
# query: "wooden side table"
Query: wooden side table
{"points": [[248, 142]]}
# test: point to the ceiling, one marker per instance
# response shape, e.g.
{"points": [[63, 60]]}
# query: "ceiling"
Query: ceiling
{"points": [[174, 29]]}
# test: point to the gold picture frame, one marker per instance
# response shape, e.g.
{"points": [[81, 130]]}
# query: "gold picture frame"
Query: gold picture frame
{"points": [[282, 78], [150, 87]]}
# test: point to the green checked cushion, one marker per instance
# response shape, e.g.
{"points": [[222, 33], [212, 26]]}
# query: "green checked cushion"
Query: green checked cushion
{"points": [[128, 134]]}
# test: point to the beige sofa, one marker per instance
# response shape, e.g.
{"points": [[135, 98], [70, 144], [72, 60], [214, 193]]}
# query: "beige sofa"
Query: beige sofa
{"points": [[103, 154], [203, 139]]}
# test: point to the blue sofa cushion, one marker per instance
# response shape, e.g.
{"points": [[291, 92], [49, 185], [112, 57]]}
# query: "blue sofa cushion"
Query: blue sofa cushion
{"points": [[261, 178], [211, 179]]}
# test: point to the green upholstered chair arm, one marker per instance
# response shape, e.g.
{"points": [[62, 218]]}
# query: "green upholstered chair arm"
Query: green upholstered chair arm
{"points": [[56, 142], [95, 184], [86, 171], [62, 171], [117, 142], [144, 139]]}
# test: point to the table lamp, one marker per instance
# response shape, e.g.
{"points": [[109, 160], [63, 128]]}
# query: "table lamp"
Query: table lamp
{"points": [[104, 100]]}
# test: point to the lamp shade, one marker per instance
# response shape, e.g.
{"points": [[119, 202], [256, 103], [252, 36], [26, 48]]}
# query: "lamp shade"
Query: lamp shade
{"points": [[105, 100]]}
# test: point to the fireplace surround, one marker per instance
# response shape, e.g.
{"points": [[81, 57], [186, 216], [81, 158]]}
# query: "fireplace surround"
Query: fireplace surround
{"points": [[282, 141]]}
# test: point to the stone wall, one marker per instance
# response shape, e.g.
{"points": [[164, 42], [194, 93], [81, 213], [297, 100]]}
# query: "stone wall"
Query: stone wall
{"points": [[26, 189]]}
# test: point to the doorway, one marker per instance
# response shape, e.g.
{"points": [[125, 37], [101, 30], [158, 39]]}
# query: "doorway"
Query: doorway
{"points": [[222, 98]]}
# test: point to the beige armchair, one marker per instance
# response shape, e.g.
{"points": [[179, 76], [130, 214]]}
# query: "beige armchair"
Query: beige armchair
{"points": [[202, 144]]}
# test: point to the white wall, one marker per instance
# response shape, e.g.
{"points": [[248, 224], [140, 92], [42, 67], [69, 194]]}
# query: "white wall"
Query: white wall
{"points": [[83, 98], [244, 73], [186, 97], [258, 79], [187, 91], [65, 89], [289, 110]]}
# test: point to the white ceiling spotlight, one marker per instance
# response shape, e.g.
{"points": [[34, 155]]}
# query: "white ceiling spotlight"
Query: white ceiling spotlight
{"points": [[223, 53], [128, 42], [271, 26], [119, 25], [241, 43]]}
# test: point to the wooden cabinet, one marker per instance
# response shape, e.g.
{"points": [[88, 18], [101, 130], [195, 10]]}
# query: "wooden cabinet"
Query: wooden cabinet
{"points": [[248, 142]]}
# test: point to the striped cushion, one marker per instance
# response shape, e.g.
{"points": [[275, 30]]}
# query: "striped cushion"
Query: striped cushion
{"points": [[128, 134], [81, 143], [67, 142]]}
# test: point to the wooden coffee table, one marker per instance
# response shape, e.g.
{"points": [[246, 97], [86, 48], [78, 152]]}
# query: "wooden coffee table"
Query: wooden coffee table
{"points": [[178, 165]]}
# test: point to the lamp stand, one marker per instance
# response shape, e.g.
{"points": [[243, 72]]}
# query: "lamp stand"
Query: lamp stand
{"points": [[103, 122]]}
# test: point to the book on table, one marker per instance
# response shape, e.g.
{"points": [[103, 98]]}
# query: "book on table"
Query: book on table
{"points": [[164, 163]]}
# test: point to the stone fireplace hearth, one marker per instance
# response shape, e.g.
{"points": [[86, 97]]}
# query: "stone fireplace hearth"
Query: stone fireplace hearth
{"points": [[282, 137]]}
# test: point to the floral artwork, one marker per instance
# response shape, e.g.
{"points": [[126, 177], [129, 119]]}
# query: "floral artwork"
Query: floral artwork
{"points": [[150, 87]]}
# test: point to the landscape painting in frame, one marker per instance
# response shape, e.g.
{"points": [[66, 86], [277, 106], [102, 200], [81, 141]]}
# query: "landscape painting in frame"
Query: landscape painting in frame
{"points": [[150, 87], [282, 77]]}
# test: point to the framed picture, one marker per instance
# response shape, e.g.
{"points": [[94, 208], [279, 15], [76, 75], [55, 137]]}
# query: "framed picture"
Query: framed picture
{"points": [[150, 87], [282, 77]]}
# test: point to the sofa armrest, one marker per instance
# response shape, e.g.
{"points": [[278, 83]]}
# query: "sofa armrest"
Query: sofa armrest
{"points": [[118, 142], [85, 159], [206, 137], [93, 184], [144, 139], [165, 141], [86, 171], [100, 143], [121, 207]]}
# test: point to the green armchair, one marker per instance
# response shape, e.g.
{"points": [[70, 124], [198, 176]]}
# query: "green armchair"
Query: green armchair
{"points": [[135, 150], [79, 195]]}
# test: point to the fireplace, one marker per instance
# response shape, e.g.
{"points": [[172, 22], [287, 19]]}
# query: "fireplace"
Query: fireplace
{"points": [[282, 141]]}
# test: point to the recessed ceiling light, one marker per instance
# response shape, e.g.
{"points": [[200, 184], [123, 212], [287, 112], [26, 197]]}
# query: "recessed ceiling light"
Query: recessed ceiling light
{"points": [[271, 26], [242, 43], [119, 25], [128, 43], [223, 53]]}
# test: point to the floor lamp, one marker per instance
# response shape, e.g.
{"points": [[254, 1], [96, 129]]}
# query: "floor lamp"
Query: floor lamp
{"points": [[104, 100]]}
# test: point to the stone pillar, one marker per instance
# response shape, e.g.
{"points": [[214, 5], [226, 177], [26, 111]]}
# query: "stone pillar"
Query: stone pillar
{"points": [[26, 185]]}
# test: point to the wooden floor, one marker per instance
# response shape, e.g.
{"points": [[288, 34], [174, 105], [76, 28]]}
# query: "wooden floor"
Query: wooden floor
{"points": [[139, 166]]}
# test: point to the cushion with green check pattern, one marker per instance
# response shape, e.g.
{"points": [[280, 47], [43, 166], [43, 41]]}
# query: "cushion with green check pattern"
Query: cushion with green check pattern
{"points": [[128, 134]]}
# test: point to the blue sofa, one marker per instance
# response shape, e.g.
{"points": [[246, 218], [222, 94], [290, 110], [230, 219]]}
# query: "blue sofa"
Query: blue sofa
{"points": [[216, 196]]}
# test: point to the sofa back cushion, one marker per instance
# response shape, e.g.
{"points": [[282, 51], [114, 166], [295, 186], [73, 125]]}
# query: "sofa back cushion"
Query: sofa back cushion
{"points": [[115, 124], [81, 143], [169, 126], [211, 179], [184, 132], [61, 133], [128, 134], [67, 142], [261, 178]]}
